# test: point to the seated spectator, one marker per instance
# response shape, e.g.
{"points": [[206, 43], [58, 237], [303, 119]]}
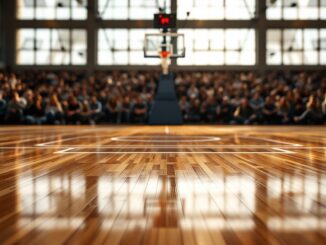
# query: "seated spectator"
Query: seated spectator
{"points": [[184, 106], [193, 92], [203, 111], [83, 96], [73, 111], [85, 113], [244, 114], [139, 111], [95, 110], [3, 108], [225, 111], [312, 114], [28, 99], [113, 110], [324, 108], [54, 111], [269, 111], [283, 111], [125, 109], [35, 113], [211, 110], [257, 104], [149, 102], [194, 111], [14, 114]]}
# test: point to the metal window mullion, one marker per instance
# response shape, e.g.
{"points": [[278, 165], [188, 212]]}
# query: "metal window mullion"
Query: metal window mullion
{"points": [[92, 29], [302, 47], [319, 46], [128, 48], [319, 9], [35, 46], [51, 49], [282, 9], [70, 46], [282, 46], [34, 9], [224, 47], [70, 10], [56, 11], [129, 9]]}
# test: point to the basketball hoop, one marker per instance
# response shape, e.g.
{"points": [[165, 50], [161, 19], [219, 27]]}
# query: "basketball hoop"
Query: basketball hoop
{"points": [[165, 54], [166, 46], [165, 61]]}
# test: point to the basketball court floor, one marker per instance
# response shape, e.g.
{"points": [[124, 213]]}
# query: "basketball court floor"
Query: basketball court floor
{"points": [[163, 185]]}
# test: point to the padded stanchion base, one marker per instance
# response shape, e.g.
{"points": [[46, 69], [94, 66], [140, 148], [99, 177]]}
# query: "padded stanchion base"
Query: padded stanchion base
{"points": [[165, 109]]}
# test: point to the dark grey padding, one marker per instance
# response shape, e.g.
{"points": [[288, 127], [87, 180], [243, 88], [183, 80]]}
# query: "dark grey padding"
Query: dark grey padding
{"points": [[165, 109]]}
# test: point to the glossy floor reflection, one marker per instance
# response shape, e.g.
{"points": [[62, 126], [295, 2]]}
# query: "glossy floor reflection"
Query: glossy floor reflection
{"points": [[159, 185]]}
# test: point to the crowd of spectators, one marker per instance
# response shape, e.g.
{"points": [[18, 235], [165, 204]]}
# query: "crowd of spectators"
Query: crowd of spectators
{"points": [[126, 97], [76, 98], [247, 98]]}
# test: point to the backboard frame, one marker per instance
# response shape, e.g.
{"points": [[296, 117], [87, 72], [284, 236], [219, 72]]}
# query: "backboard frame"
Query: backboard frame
{"points": [[176, 55]]}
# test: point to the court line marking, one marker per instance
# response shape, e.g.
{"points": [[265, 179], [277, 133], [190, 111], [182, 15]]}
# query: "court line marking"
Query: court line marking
{"points": [[71, 138], [272, 140], [55, 141], [165, 146], [166, 139], [277, 151], [65, 150], [125, 138], [171, 146], [157, 141], [285, 151], [173, 152]]}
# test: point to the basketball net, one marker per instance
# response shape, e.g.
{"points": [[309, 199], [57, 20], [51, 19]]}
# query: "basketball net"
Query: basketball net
{"points": [[165, 61]]}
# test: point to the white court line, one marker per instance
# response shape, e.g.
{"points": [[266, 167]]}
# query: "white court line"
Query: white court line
{"points": [[33, 147], [171, 139], [174, 152], [285, 151], [173, 146], [278, 151], [75, 137], [64, 150], [165, 146], [203, 139], [61, 140], [271, 140]]}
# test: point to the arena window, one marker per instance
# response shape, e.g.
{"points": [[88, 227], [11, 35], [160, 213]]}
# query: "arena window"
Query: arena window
{"points": [[124, 9], [216, 9], [51, 47], [123, 47], [52, 9], [296, 9], [219, 47], [296, 47]]}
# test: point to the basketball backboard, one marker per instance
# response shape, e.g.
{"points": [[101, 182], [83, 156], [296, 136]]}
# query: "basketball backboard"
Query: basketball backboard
{"points": [[154, 43]]}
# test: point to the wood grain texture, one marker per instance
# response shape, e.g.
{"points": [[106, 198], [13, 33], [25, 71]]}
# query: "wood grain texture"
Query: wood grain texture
{"points": [[163, 185]]}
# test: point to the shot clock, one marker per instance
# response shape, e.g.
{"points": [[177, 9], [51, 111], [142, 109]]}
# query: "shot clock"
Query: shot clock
{"points": [[165, 21]]}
